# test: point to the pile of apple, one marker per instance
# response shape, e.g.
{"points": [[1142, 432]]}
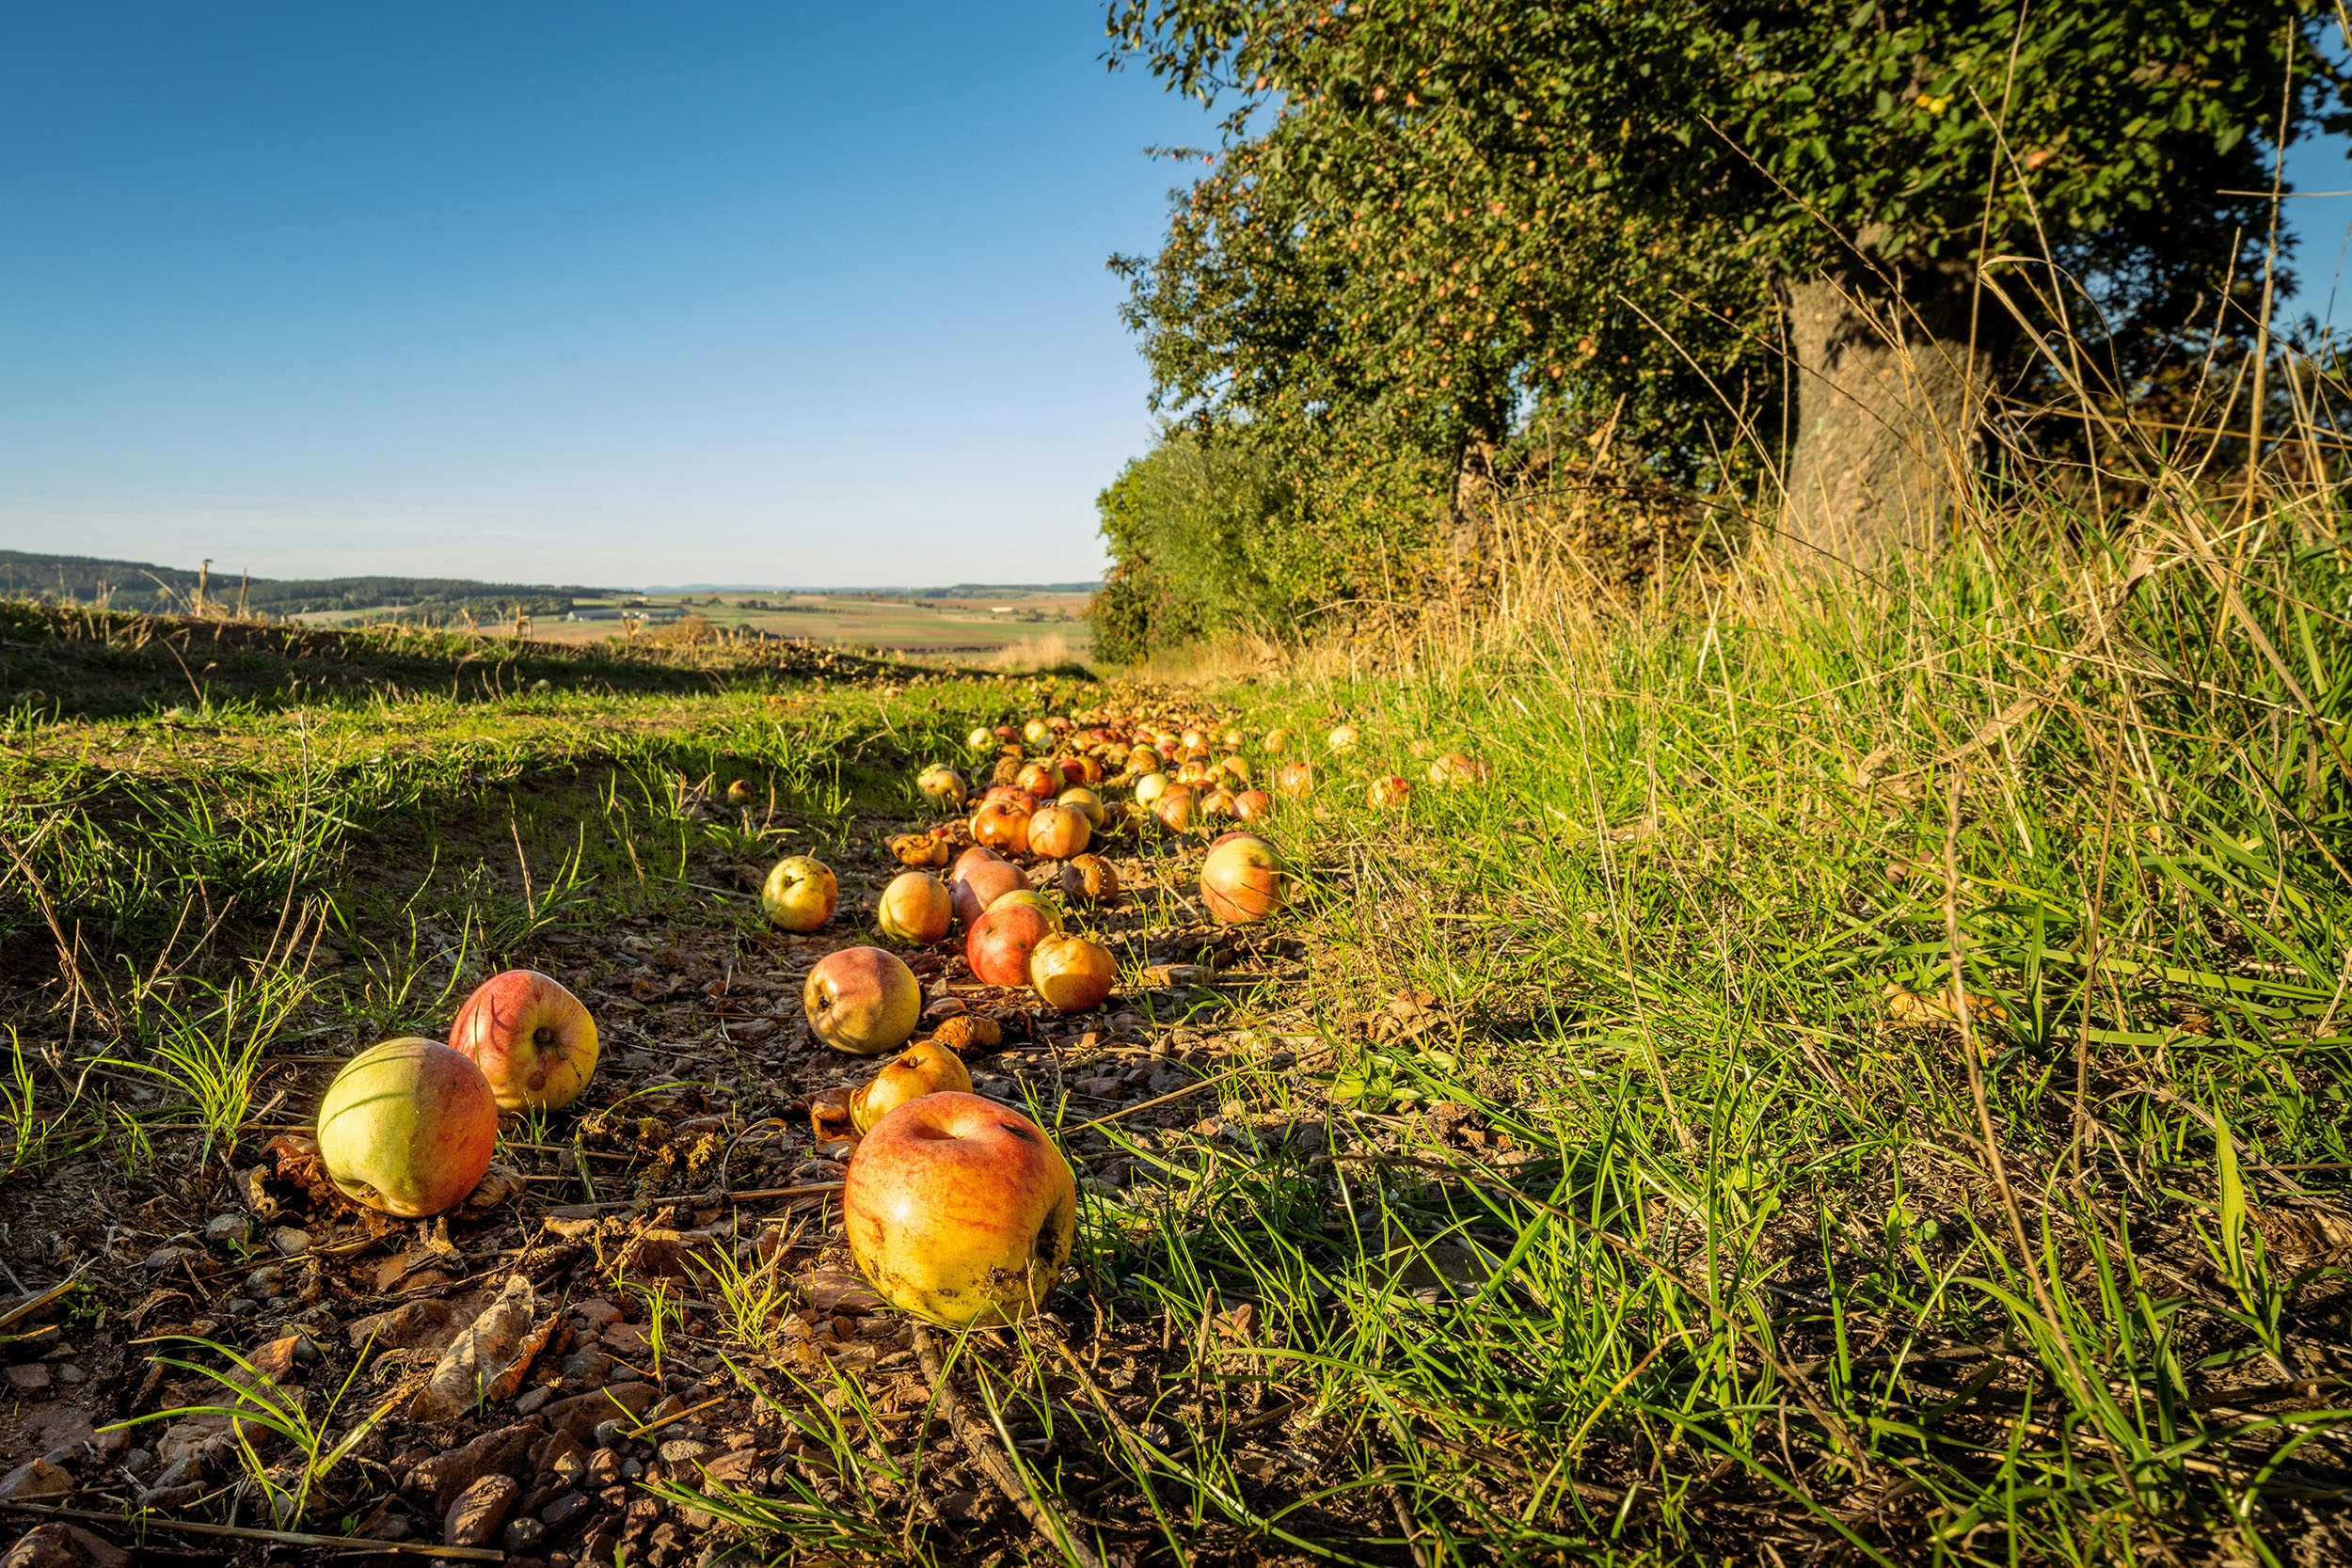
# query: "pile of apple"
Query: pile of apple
{"points": [[407, 1126]]}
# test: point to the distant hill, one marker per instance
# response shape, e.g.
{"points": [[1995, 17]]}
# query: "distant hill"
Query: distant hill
{"points": [[138, 585]]}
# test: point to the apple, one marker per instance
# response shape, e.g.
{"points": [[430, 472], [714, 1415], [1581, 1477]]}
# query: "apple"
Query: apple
{"points": [[1085, 802], [1342, 737], [1454, 770], [740, 793], [971, 858], [1251, 804], [1000, 825], [1037, 732], [920, 850], [1275, 740], [981, 740], [1142, 759], [1040, 780], [1216, 804], [407, 1127], [1033, 899], [1231, 738], [1007, 734], [1241, 882], [942, 786], [924, 1067], [1192, 740], [1012, 793], [533, 1040], [862, 1000], [1175, 808], [915, 908], [1388, 790], [1057, 832], [1151, 786], [1080, 770], [959, 1211], [800, 893], [1090, 879], [975, 887], [1235, 769], [1071, 973], [1295, 779], [1001, 940]]}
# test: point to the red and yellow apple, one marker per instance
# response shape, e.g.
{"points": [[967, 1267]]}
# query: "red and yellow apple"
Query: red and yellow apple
{"points": [[924, 1067], [1176, 808], [1040, 780], [1295, 779], [1387, 791], [1057, 832], [1275, 740], [1001, 940], [1001, 825], [1456, 771], [1251, 804], [799, 893], [915, 908], [1071, 973], [533, 1040], [862, 1000], [959, 1211], [942, 786], [407, 1127], [1342, 737], [1241, 881], [979, 884]]}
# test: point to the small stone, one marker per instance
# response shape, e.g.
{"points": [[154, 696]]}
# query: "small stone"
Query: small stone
{"points": [[68, 1372], [565, 1508], [960, 1508], [596, 1312], [290, 1241], [225, 1230], [35, 1477], [1103, 1088], [631, 1468], [532, 1399], [61, 1546], [137, 1461], [731, 1467], [29, 1377], [604, 1468], [523, 1534], [475, 1518], [680, 1451], [243, 1306], [267, 1282], [163, 1259]]}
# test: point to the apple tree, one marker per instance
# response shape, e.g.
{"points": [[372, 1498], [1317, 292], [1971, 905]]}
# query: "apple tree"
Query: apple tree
{"points": [[1744, 231]]}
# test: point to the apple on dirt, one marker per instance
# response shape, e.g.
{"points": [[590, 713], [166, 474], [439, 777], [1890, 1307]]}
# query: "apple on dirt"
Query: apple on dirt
{"points": [[534, 1040], [1150, 788], [862, 1000], [799, 893], [407, 1127], [1176, 808], [1057, 832], [920, 850], [1040, 780], [915, 908], [1001, 825], [1090, 879], [1387, 791], [959, 1211], [976, 883], [942, 786], [1072, 974], [1000, 942], [1241, 881], [924, 1067], [1085, 802]]}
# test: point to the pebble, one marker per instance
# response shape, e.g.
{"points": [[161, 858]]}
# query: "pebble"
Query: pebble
{"points": [[228, 1231], [604, 1468], [35, 1477], [243, 1306], [607, 1433], [532, 1399], [565, 1508], [524, 1534], [288, 1241], [631, 1468], [29, 1377], [265, 1283], [163, 1258], [680, 1451], [137, 1462], [57, 1544], [479, 1511], [596, 1312], [70, 1373]]}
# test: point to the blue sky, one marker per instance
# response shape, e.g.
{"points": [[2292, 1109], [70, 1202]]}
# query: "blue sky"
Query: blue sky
{"points": [[595, 292]]}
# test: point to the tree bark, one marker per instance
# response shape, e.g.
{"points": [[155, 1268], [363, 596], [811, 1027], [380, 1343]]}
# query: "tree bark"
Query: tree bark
{"points": [[1889, 398]]}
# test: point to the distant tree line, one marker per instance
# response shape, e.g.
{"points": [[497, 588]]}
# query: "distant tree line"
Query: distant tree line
{"points": [[164, 590]]}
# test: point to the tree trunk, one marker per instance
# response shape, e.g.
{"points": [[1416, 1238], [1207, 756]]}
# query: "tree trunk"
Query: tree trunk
{"points": [[1888, 401]]}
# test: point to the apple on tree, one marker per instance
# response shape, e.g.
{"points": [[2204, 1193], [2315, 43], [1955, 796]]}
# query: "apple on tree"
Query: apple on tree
{"points": [[862, 1000], [407, 1127], [799, 893], [533, 1040], [959, 1211]]}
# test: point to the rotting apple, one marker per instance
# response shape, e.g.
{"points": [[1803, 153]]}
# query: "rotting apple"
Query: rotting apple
{"points": [[1242, 880], [959, 1211], [1215, 804], [1387, 791], [924, 1067], [1071, 973], [1342, 737], [1040, 780], [1057, 832], [1275, 741], [979, 883], [740, 793], [1251, 804], [915, 908], [1295, 779], [799, 893], [1090, 879], [1001, 940], [534, 1040], [862, 1000], [1456, 770], [1001, 825], [942, 786], [407, 1127], [1175, 808], [920, 850]]}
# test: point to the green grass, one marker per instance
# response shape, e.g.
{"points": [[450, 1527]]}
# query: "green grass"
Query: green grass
{"points": [[1623, 1190]]}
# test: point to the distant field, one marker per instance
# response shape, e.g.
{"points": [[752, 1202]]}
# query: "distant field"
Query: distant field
{"points": [[937, 627]]}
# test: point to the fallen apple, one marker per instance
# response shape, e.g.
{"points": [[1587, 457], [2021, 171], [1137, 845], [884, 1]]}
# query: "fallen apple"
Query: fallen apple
{"points": [[740, 793], [1241, 882], [1150, 788], [920, 850], [1275, 740], [1085, 802], [982, 739], [533, 1040], [1040, 780], [800, 893], [1295, 779], [1456, 771], [1001, 940], [924, 1067], [1037, 732], [1090, 879], [1388, 790], [1342, 737], [1001, 825], [1071, 973], [959, 1211], [1216, 804], [1057, 832], [942, 786], [1175, 808], [1033, 899], [1251, 804], [407, 1127], [980, 883], [862, 1000], [915, 908]]}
